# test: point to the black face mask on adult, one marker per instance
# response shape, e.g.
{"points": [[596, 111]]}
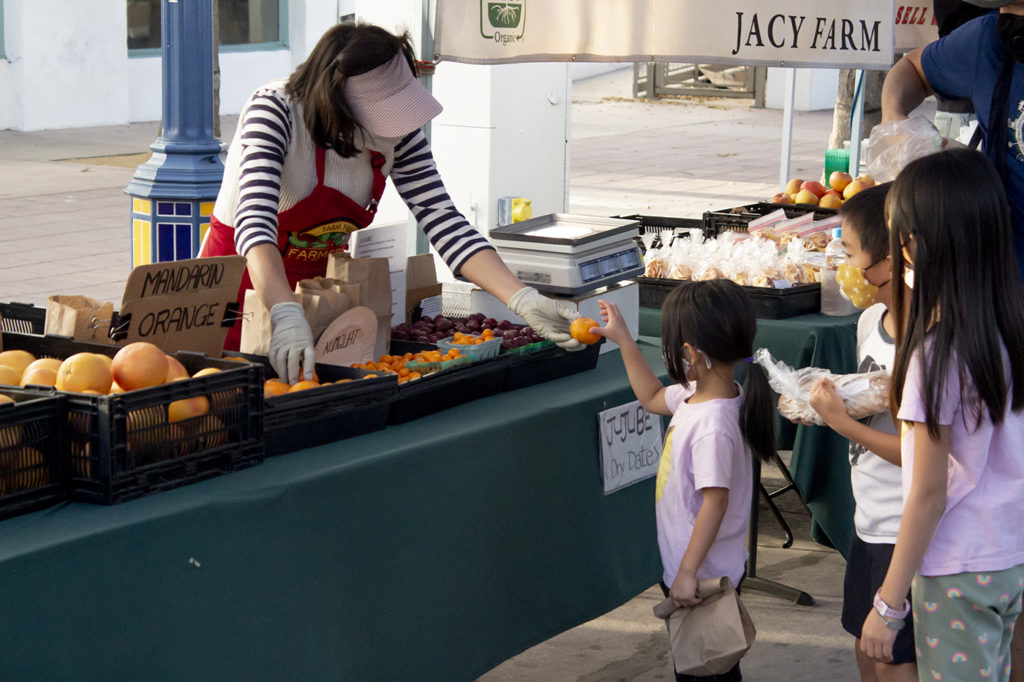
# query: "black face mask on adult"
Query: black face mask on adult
{"points": [[1010, 29]]}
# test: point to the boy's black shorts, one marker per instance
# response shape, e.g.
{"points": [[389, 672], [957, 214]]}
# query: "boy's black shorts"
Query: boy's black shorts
{"points": [[866, 566]]}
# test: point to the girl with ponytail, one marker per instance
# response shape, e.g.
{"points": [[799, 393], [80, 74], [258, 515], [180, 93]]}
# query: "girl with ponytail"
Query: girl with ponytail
{"points": [[705, 478]]}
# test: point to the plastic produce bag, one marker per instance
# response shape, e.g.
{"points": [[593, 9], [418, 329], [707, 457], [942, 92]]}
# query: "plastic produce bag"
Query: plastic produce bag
{"points": [[894, 144], [863, 393]]}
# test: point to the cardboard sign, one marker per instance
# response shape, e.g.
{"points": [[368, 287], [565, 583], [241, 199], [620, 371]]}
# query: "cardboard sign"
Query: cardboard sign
{"points": [[181, 305], [630, 445], [349, 339], [915, 26]]}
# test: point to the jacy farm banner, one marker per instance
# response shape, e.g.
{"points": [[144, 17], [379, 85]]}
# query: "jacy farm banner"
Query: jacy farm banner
{"points": [[777, 33]]}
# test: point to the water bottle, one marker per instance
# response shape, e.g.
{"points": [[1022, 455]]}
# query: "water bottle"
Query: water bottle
{"points": [[832, 300]]}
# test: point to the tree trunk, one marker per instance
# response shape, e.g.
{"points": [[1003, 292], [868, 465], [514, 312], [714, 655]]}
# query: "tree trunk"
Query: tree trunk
{"points": [[844, 104]]}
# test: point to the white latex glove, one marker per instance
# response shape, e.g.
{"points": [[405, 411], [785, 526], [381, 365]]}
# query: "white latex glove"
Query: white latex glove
{"points": [[548, 318], [291, 343]]}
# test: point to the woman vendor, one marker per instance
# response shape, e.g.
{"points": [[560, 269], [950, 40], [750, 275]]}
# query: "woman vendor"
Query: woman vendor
{"points": [[307, 166]]}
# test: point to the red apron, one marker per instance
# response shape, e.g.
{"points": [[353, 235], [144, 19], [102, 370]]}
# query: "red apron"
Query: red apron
{"points": [[307, 233]]}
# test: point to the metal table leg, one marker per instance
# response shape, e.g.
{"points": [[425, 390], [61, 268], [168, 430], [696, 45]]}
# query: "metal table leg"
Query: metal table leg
{"points": [[753, 581]]}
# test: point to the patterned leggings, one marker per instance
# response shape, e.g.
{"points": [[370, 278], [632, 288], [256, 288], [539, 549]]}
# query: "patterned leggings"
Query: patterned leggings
{"points": [[963, 624]]}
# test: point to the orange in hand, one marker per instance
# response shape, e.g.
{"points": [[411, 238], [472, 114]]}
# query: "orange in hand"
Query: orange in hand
{"points": [[580, 330]]}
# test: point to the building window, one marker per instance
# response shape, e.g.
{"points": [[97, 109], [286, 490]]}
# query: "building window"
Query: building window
{"points": [[244, 24]]}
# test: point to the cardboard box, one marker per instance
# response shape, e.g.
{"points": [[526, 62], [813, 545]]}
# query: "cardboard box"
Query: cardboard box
{"points": [[420, 282]]}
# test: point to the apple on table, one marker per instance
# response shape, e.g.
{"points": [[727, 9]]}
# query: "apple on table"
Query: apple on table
{"points": [[838, 180]]}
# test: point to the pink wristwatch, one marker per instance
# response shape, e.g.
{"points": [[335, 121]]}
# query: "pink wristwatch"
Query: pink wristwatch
{"points": [[892, 618]]}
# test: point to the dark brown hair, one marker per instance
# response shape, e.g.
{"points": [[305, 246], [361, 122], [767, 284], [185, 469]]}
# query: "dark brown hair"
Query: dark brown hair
{"points": [[966, 304], [718, 317], [318, 84], [864, 213]]}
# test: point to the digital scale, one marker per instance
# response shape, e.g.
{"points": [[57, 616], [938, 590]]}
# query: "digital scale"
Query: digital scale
{"points": [[570, 254]]}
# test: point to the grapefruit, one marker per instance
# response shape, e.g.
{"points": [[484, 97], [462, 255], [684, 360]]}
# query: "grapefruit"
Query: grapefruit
{"points": [[139, 365], [84, 372]]}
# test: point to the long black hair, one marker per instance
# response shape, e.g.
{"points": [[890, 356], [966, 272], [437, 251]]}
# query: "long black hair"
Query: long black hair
{"points": [[967, 300], [318, 84], [718, 317]]}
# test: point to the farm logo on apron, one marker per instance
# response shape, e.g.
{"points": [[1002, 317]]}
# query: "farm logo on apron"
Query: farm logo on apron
{"points": [[503, 22], [318, 242]]}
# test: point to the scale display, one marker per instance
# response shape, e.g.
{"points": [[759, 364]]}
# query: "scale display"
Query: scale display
{"points": [[570, 254]]}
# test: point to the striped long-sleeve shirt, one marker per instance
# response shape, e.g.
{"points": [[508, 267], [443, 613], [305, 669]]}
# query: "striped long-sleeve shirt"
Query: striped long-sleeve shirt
{"points": [[271, 166]]}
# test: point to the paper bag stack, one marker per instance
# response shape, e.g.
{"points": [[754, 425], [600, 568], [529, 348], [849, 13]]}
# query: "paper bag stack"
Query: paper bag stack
{"points": [[350, 282]]}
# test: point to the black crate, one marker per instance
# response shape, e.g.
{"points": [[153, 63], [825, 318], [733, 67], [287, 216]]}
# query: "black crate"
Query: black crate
{"points": [[304, 419], [656, 224], [24, 318], [33, 468], [445, 389], [123, 446], [769, 303], [552, 362], [737, 219]]}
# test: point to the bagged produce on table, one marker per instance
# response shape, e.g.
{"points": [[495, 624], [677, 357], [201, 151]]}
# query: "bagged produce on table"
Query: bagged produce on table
{"points": [[863, 393]]}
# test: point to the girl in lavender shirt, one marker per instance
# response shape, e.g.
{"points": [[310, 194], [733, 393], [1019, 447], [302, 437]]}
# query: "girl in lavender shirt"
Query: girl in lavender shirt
{"points": [[958, 383], [705, 476]]}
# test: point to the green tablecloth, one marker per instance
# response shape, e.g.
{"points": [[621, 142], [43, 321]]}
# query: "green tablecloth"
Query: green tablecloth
{"points": [[431, 550], [820, 465]]}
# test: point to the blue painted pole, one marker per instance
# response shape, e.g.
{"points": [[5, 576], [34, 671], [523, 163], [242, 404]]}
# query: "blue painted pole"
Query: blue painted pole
{"points": [[173, 192], [185, 162]]}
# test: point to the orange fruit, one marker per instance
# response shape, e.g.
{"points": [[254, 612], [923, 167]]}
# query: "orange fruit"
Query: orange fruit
{"points": [[16, 359], [272, 387], [175, 370], [52, 363], [84, 371], [580, 330], [10, 376], [42, 376], [139, 365], [303, 385], [186, 408], [30, 470]]}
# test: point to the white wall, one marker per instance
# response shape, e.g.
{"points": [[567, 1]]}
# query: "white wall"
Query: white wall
{"points": [[81, 75], [815, 89], [67, 65], [5, 96]]}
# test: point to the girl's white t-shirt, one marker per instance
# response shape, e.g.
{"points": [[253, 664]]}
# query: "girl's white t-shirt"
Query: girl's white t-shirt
{"points": [[703, 448]]}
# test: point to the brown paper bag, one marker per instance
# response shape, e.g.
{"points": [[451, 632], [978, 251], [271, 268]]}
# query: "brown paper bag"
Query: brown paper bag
{"points": [[373, 275], [322, 300], [710, 638], [79, 317]]}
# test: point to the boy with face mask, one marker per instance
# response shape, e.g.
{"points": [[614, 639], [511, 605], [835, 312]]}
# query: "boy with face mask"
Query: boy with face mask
{"points": [[874, 444]]}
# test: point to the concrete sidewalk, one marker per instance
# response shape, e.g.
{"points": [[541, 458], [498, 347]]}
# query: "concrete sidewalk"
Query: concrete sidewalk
{"points": [[64, 229]]}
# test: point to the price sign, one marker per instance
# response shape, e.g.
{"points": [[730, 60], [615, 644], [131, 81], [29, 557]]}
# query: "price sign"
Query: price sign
{"points": [[631, 440]]}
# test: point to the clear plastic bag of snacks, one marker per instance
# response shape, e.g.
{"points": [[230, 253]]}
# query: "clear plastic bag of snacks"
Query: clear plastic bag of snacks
{"points": [[863, 393]]}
